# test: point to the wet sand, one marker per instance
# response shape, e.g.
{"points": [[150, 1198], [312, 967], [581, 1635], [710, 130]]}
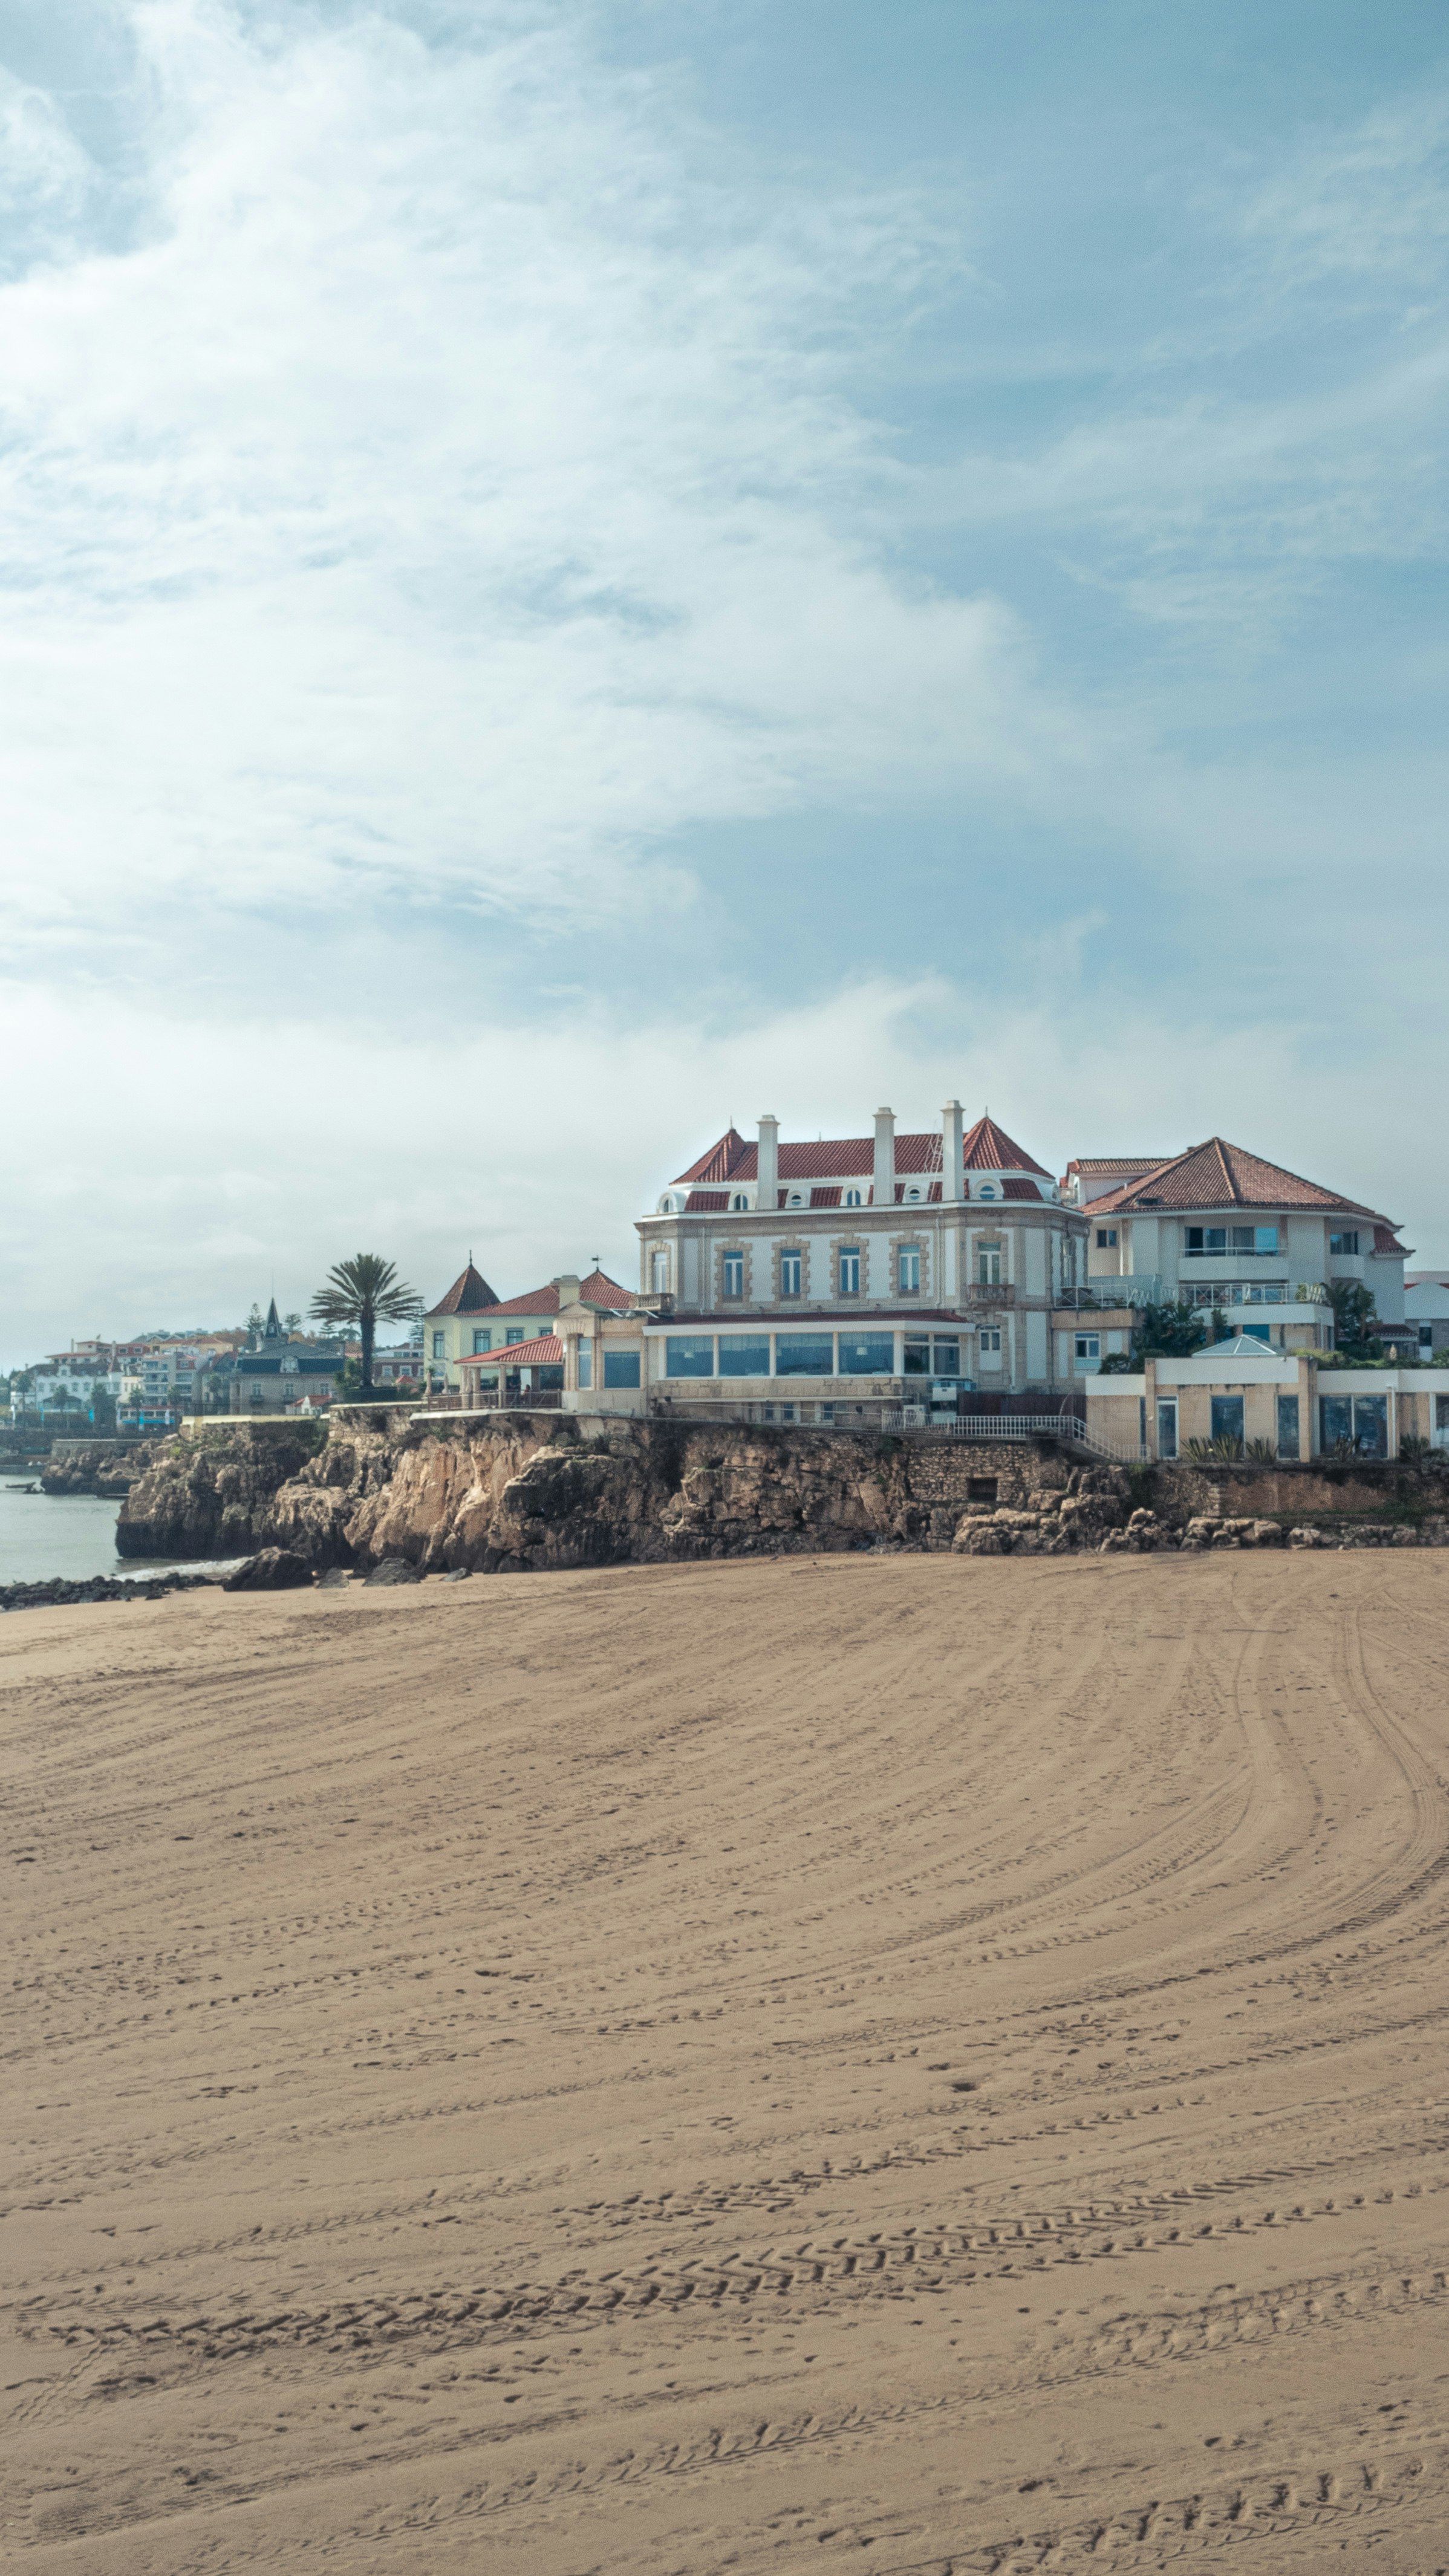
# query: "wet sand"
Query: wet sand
{"points": [[910, 2065]]}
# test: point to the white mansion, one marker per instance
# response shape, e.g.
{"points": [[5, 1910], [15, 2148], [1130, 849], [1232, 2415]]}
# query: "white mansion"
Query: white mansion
{"points": [[861, 1268]]}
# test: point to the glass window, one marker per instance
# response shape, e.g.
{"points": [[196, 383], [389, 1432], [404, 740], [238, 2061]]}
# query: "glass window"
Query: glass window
{"points": [[1441, 1412], [918, 1355], [988, 1265], [1089, 1346], [744, 1355], [867, 1355], [1343, 1243], [1227, 1418], [1335, 1421], [804, 1354], [586, 1361], [689, 1354], [908, 1269], [987, 1190], [1207, 1238], [733, 1272], [1265, 1238], [1371, 1425], [1166, 1427], [852, 1198], [1106, 1237], [440, 1345], [1287, 1426], [482, 1341], [850, 1273], [514, 1333], [790, 1269], [621, 1368], [659, 1270], [739, 1202], [946, 1356], [990, 1344]]}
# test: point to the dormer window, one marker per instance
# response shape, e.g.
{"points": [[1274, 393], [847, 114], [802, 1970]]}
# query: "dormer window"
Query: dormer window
{"points": [[852, 1198], [987, 1190], [913, 1195], [739, 1202], [796, 1198]]}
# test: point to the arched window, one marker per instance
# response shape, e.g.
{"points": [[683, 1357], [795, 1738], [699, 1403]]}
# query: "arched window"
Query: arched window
{"points": [[797, 1198], [987, 1190], [739, 1202], [659, 1271], [852, 1198]]}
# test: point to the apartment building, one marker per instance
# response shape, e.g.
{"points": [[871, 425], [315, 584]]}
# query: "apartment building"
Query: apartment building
{"points": [[1218, 1227]]}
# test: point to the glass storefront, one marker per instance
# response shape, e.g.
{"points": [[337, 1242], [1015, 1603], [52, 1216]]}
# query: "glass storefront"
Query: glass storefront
{"points": [[689, 1355], [744, 1355], [805, 1354], [867, 1355]]}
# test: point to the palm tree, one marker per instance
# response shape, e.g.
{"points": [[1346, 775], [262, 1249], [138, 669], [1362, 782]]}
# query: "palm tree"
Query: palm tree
{"points": [[365, 1291]]}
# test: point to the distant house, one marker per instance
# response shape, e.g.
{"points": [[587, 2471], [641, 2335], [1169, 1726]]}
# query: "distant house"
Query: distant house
{"points": [[1218, 1227], [1426, 1308], [471, 1323], [276, 1372]]}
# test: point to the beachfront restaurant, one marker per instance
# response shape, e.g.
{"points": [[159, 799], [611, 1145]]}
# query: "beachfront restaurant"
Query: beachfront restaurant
{"points": [[1243, 1395]]}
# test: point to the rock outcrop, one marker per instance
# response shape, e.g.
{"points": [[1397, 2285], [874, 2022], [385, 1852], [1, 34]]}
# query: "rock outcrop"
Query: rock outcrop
{"points": [[101, 1468], [276, 1569], [373, 1488]]}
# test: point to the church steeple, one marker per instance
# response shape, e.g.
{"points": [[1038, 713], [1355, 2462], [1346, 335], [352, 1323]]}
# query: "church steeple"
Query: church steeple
{"points": [[272, 1330]]}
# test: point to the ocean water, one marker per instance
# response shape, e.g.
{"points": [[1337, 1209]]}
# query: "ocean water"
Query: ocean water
{"points": [[73, 1535]]}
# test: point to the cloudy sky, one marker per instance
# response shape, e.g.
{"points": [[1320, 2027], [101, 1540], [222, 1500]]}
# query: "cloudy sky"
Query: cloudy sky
{"points": [[574, 573]]}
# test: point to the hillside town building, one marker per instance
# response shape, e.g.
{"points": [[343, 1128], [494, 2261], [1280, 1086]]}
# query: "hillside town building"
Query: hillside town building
{"points": [[281, 1372]]}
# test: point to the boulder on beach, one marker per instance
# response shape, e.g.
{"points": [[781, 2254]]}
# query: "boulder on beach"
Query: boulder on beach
{"points": [[395, 1569], [276, 1569]]}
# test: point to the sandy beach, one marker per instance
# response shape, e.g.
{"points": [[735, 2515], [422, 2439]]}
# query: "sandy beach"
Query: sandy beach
{"points": [[890, 2063]]}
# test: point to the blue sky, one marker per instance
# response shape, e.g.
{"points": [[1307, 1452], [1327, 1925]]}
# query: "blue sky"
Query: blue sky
{"points": [[572, 574]]}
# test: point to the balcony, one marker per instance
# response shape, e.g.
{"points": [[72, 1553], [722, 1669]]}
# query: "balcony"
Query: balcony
{"points": [[978, 1293], [1254, 1292]]}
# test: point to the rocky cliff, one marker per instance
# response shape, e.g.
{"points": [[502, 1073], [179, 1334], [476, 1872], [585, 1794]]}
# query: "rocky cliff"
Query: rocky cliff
{"points": [[541, 1490], [99, 1468], [522, 1491]]}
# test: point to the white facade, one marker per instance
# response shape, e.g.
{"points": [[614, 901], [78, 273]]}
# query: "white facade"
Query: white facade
{"points": [[845, 1272]]}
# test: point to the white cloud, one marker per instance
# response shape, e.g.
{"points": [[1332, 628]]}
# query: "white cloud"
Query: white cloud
{"points": [[447, 482], [170, 1168]]}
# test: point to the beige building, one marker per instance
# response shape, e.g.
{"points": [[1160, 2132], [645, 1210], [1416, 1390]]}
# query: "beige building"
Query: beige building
{"points": [[1272, 1403]]}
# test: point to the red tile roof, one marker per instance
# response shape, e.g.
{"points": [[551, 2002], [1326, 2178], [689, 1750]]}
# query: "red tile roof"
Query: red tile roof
{"points": [[469, 1294], [706, 1202], [1386, 1240], [1220, 1175], [597, 1290], [544, 1351], [1118, 1162], [1015, 1189], [987, 1148]]}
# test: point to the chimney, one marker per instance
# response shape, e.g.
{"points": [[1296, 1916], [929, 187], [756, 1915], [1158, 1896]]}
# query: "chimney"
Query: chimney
{"points": [[567, 1285], [768, 1187], [885, 1158], [951, 1177]]}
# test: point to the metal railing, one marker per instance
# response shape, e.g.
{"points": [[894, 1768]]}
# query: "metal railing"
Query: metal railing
{"points": [[1006, 1426]]}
